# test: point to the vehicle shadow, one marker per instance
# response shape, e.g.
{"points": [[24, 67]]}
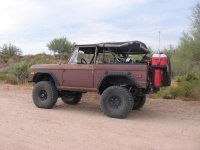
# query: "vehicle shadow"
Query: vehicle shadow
{"points": [[82, 107], [92, 107]]}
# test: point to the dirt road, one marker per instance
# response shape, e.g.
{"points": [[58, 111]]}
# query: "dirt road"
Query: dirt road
{"points": [[161, 124]]}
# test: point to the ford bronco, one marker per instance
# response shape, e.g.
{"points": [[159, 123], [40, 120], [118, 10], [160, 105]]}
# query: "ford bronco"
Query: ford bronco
{"points": [[122, 73]]}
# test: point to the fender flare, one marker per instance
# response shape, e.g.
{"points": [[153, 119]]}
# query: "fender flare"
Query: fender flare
{"points": [[38, 74], [117, 74]]}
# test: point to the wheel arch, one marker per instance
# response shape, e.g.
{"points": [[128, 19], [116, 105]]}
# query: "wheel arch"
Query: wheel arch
{"points": [[111, 79], [45, 76]]}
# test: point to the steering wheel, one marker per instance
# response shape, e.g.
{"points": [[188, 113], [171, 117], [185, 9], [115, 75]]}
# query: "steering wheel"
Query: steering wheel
{"points": [[120, 60], [83, 61]]}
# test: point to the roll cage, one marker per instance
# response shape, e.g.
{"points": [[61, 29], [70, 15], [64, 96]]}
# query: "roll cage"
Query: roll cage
{"points": [[119, 50]]}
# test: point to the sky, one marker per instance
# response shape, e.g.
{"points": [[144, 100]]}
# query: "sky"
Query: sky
{"points": [[31, 24]]}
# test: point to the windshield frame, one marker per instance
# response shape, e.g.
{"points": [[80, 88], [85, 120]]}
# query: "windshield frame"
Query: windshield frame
{"points": [[73, 59]]}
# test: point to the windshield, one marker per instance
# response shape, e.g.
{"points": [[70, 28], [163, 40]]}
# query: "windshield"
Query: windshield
{"points": [[82, 56], [74, 57]]}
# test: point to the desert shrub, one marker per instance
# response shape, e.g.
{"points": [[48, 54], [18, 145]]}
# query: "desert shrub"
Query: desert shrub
{"points": [[12, 79], [8, 51], [174, 91], [20, 71], [191, 76], [5, 58], [196, 93], [40, 59], [2, 76], [164, 92], [187, 87], [169, 93]]}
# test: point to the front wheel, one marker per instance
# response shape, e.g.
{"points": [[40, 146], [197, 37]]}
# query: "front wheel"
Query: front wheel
{"points": [[44, 94], [71, 98], [139, 102], [116, 102]]}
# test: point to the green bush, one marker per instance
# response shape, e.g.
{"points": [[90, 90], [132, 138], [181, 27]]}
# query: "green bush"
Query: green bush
{"points": [[10, 78], [169, 93], [40, 59], [2, 76], [20, 71], [187, 87], [4, 58], [174, 91], [196, 93]]}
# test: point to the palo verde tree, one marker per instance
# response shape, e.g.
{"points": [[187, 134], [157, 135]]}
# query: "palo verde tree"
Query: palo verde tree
{"points": [[60, 46], [187, 56]]}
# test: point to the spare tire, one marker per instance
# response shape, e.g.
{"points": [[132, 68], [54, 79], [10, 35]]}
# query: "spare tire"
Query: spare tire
{"points": [[167, 73]]}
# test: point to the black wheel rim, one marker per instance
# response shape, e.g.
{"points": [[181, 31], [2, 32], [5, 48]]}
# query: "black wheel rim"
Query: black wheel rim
{"points": [[115, 102], [43, 95]]}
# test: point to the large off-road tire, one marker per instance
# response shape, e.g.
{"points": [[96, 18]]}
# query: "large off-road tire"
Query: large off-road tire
{"points": [[71, 98], [44, 95], [116, 102], [139, 102]]}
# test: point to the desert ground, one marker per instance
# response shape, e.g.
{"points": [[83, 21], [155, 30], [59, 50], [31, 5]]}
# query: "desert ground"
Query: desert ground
{"points": [[160, 124]]}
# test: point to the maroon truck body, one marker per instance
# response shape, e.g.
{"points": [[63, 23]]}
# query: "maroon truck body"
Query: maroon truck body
{"points": [[79, 77]]}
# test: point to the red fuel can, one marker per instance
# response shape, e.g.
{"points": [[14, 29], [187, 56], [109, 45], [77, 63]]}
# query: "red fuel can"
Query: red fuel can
{"points": [[158, 77], [158, 60]]}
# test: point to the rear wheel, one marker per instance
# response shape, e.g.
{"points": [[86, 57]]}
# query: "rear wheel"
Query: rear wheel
{"points": [[71, 98], [44, 94], [116, 102], [139, 102]]}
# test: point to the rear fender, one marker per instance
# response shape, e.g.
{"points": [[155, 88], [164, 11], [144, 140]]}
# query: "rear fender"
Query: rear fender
{"points": [[116, 79]]}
